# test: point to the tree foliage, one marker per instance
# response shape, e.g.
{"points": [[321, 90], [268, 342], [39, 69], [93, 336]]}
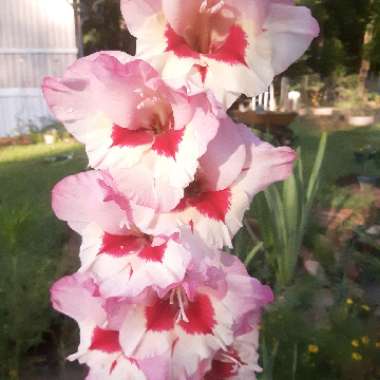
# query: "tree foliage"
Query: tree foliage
{"points": [[340, 47], [103, 27]]}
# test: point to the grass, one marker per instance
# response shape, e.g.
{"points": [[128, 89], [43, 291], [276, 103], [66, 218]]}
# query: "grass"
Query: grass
{"points": [[26, 179], [342, 144], [31, 244], [339, 161]]}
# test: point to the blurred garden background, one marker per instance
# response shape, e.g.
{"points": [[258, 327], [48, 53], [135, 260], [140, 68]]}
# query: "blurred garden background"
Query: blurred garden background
{"points": [[315, 239]]}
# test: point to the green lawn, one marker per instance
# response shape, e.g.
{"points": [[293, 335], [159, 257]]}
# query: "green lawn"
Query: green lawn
{"points": [[26, 179], [339, 160], [342, 144], [31, 244]]}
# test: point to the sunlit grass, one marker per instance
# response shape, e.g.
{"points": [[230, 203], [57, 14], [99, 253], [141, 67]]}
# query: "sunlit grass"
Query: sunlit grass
{"points": [[17, 153], [26, 179], [342, 143]]}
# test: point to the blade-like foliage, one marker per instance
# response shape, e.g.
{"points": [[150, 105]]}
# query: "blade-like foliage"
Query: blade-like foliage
{"points": [[283, 214]]}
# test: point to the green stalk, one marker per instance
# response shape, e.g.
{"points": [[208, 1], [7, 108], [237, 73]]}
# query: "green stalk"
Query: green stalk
{"points": [[259, 246], [284, 219]]}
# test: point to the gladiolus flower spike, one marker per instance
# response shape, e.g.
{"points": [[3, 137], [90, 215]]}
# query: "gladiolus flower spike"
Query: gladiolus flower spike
{"points": [[156, 297]]}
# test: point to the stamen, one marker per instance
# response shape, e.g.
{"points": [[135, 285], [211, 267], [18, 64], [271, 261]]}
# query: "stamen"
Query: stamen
{"points": [[206, 10], [148, 102], [171, 299], [140, 92], [158, 111], [182, 314], [162, 115], [217, 7], [203, 6], [228, 357], [211, 9], [179, 299], [123, 223]]}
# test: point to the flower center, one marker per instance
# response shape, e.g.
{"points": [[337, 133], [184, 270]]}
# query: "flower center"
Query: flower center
{"points": [[154, 113], [226, 365], [211, 28], [194, 316], [194, 189]]}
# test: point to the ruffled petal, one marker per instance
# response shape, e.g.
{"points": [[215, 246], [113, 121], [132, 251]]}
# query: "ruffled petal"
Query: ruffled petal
{"points": [[290, 31], [159, 267], [142, 338], [181, 15], [66, 292], [269, 165], [81, 199], [136, 12], [224, 158]]}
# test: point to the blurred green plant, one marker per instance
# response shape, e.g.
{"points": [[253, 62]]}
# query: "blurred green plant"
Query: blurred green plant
{"points": [[282, 213], [56, 130], [351, 100], [24, 306], [316, 332]]}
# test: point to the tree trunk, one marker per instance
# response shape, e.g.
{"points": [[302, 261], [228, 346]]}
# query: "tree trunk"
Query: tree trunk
{"points": [[78, 27], [365, 64]]}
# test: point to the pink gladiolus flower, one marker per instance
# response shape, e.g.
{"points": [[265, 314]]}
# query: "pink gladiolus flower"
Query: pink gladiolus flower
{"points": [[205, 319], [126, 265], [122, 257], [236, 166], [78, 297], [229, 46], [66, 292], [84, 199], [155, 298], [238, 362], [119, 336], [149, 136]]}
